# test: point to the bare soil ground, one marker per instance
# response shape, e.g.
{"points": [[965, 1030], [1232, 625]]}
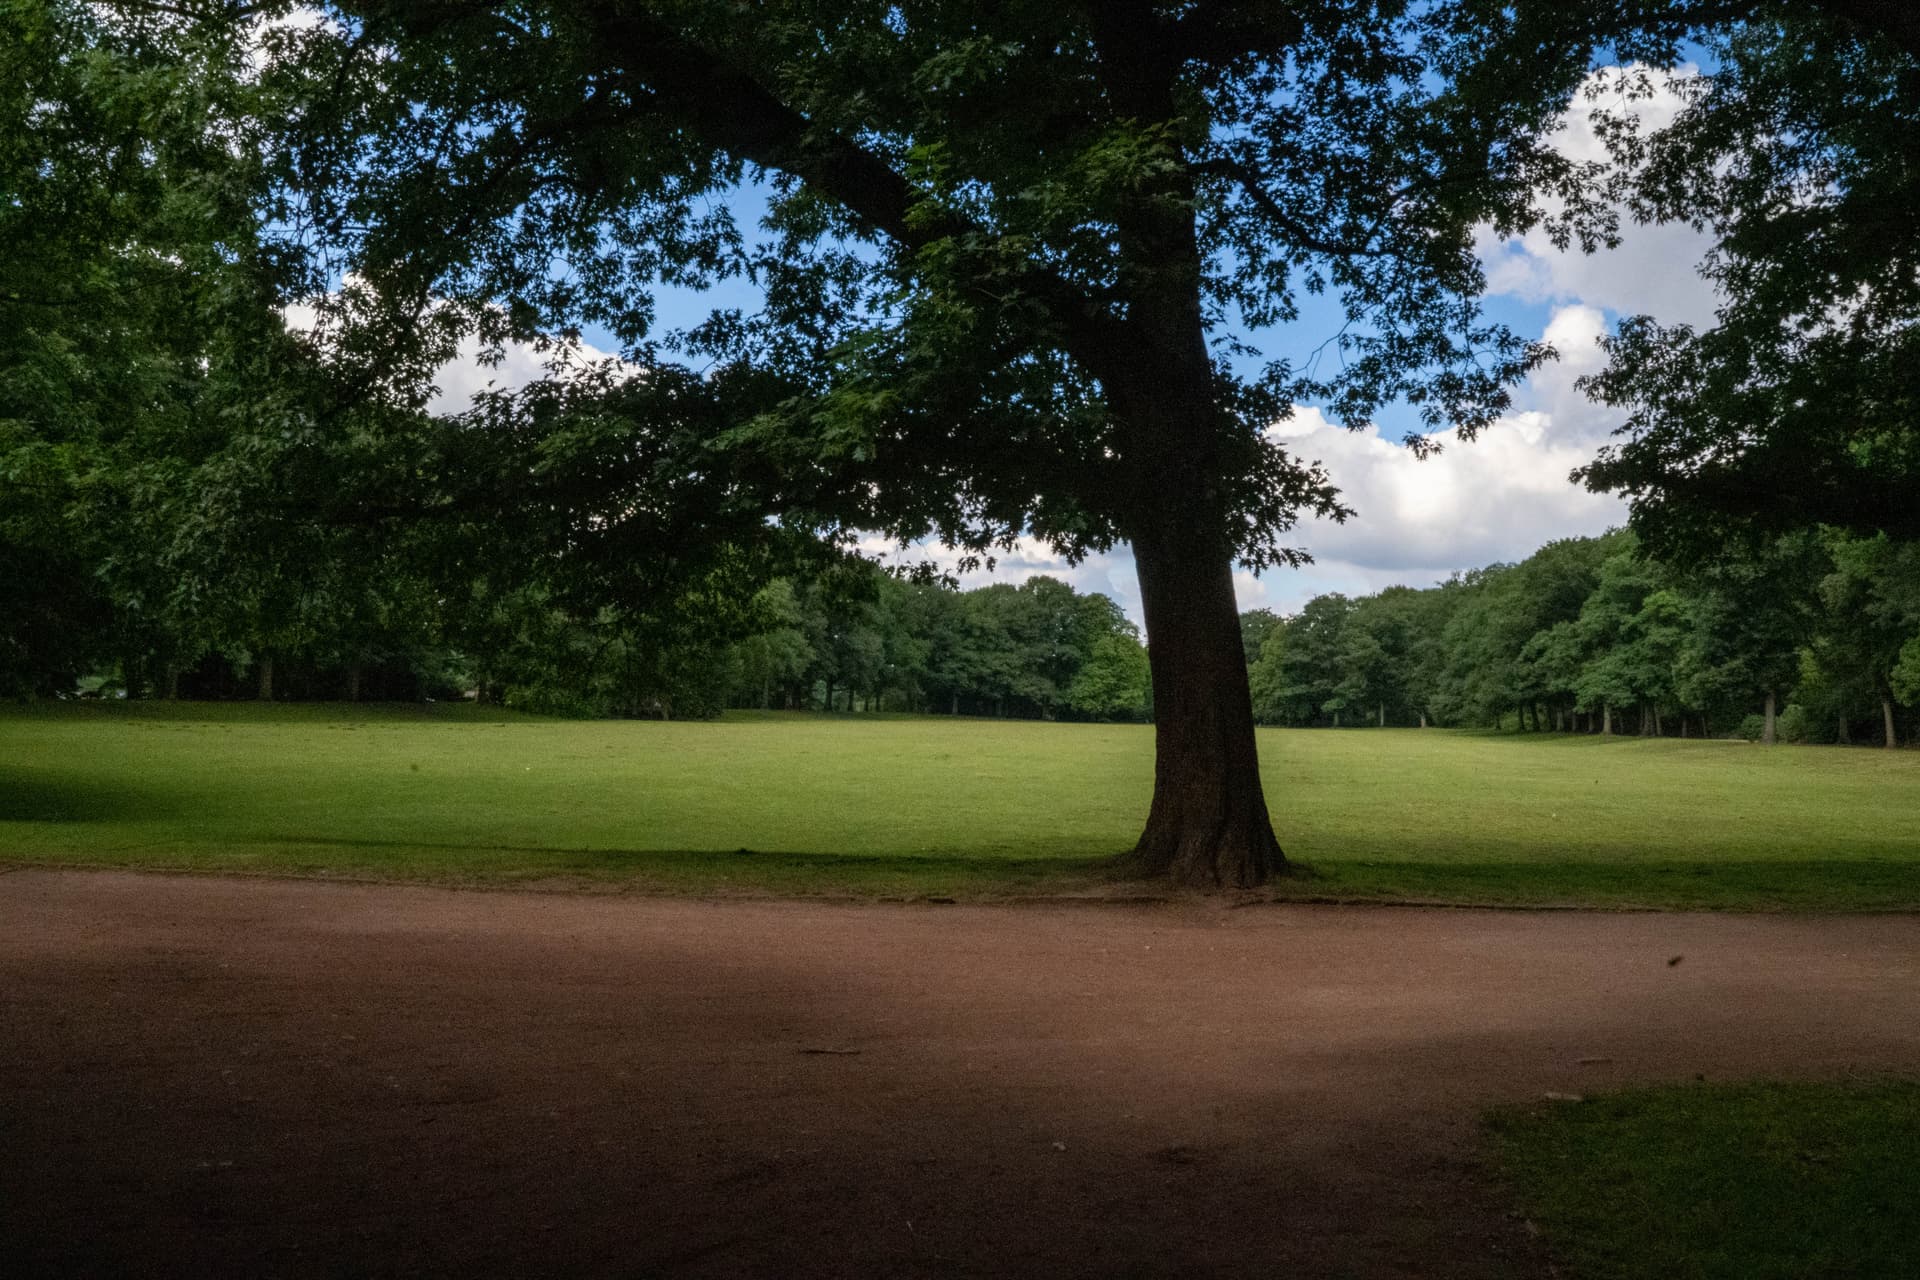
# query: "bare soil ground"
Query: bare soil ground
{"points": [[207, 1076]]}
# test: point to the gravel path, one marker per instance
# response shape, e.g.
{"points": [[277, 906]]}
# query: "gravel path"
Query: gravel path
{"points": [[203, 1076]]}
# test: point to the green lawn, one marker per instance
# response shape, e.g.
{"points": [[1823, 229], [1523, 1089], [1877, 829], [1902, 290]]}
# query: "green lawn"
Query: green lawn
{"points": [[1739, 1182], [803, 804]]}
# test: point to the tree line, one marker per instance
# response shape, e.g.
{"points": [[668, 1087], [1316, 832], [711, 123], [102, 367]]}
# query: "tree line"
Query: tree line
{"points": [[849, 639], [1812, 636]]}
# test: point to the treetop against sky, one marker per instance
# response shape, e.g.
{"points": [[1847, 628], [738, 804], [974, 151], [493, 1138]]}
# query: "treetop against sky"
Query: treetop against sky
{"points": [[1496, 499]]}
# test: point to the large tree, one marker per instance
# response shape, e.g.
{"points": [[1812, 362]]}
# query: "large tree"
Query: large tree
{"points": [[1007, 254], [1794, 148]]}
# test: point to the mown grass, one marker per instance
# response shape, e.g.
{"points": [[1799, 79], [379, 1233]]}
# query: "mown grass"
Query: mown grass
{"points": [[1723, 1182], [940, 807]]}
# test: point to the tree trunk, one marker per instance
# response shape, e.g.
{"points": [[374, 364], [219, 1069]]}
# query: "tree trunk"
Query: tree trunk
{"points": [[171, 686], [1659, 730], [1606, 719], [1844, 735], [1209, 824], [1423, 719], [956, 704], [266, 678], [1767, 737], [353, 683], [1886, 715], [1336, 717]]}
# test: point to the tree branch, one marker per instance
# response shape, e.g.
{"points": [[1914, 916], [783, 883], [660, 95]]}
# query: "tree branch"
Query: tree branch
{"points": [[1220, 31], [1248, 181], [731, 110], [1897, 20]]}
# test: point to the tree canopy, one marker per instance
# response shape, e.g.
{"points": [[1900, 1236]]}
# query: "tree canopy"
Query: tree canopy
{"points": [[1797, 407]]}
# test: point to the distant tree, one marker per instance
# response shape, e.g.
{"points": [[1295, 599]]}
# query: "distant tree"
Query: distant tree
{"points": [[777, 656], [1255, 626], [1115, 682], [1873, 601], [1755, 608]]}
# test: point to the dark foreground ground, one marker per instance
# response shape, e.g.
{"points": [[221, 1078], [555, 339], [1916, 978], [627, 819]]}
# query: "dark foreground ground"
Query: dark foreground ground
{"points": [[245, 1077]]}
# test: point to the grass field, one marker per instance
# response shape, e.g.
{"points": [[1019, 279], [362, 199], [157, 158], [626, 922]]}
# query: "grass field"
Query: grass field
{"points": [[940, 807], [1728, 1182]]}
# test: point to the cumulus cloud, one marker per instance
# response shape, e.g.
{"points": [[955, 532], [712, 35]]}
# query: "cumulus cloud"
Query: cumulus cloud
{"points": [[1110, 573], [1654, 269], [1497, 498]]}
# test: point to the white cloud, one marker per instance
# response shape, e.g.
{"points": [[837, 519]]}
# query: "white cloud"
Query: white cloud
{"points": [[459, 380], [1654, 269], [1110, 573], [463, 377]]}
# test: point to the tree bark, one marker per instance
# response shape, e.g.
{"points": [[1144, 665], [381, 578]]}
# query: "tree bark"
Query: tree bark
{"points": [[1767, 737], [266, 678], [353, 683], [1844, 734], [1606, 719], [1383, 715], [1208, 825], [1659, 730], [1886, 715], [1423, 719]]}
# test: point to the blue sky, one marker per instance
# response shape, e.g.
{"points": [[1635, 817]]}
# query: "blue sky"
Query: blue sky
{"points": [[1498, 498]]}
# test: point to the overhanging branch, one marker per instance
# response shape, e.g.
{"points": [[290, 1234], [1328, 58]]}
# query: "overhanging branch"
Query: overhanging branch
{"points": [[732, 111]]}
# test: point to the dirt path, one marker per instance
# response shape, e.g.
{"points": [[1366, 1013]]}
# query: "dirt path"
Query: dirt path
{"points": [[229, 1077]]}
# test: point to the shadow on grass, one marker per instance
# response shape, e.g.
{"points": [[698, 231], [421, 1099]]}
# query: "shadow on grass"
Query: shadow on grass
{"points": [[270, 713], [1807, 884], [35, 795], [781, 868]]}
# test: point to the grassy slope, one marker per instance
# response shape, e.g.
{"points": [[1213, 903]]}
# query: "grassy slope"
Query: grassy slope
{"points": [[1741, 1182], [938, 806]]}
